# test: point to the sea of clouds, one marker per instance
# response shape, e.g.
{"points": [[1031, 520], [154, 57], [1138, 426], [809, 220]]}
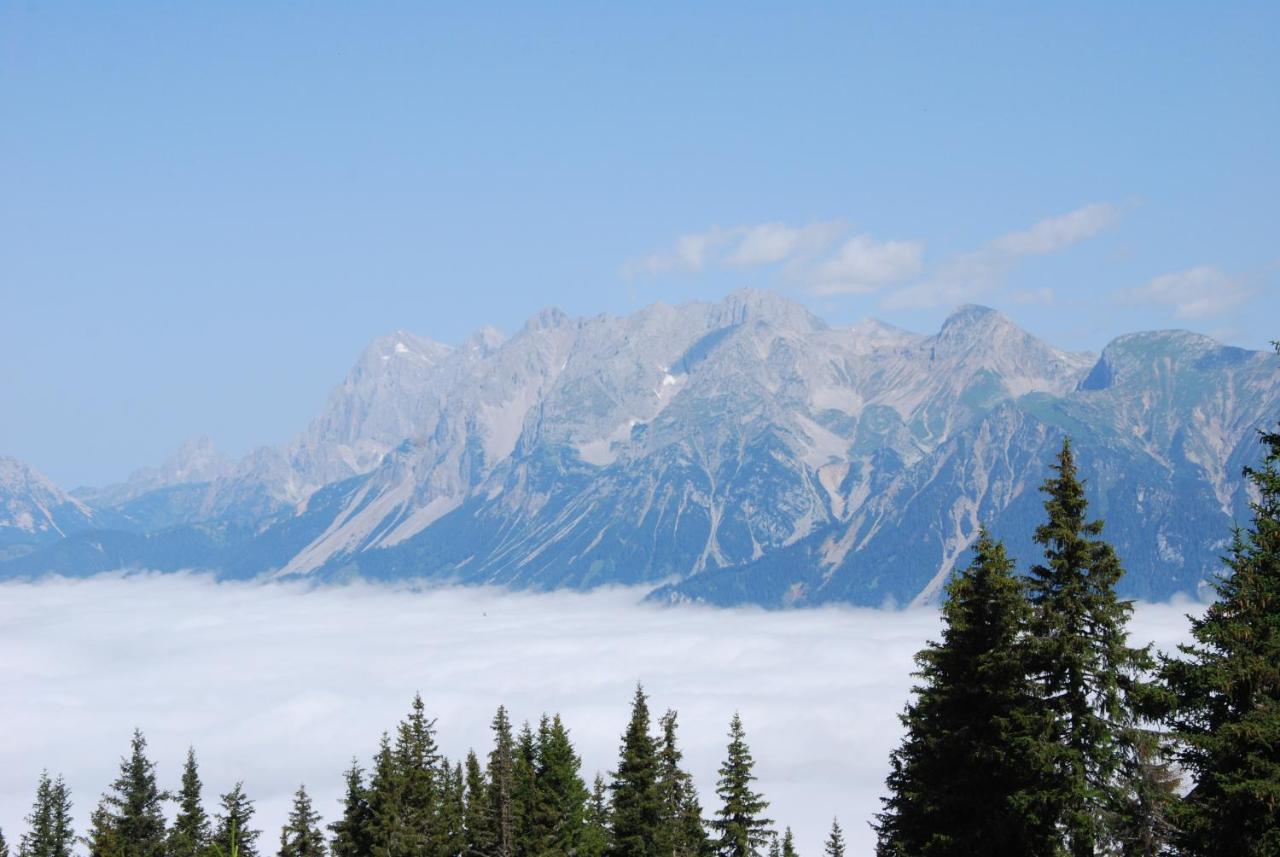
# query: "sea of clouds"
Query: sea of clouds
{"points": [[277, 684]]}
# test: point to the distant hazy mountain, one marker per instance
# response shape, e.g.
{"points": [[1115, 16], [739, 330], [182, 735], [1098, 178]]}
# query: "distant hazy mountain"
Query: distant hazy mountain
{"points": [[34, 511], [734, 452]]}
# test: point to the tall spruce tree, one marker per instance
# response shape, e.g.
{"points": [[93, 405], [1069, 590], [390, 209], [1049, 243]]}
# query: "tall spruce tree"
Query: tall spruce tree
{"points": [[501, 775], [49, 827], [189, 835], [130, 819], [524, 793], [4, 846], [561, 796], [971, 773], [387, 831], [476, 817], [232, 825], [834, 846], [788, 844], [351, 830], [596, 822], [417, 761], [1089, 676], [450, 825], [1226, 690], [637, 809], [682, 833], [302, 834], [743, 830]]}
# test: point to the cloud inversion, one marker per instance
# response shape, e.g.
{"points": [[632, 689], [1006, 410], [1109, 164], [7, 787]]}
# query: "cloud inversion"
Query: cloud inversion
{"points": [[280, 683]]}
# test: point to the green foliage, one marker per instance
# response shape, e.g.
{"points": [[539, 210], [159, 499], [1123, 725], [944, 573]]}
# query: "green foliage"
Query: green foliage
{"points": [[834, 846], [524, 795], [971, 772], [477, 819], [502, 771], [351, 831], [1089, 677], [129, 822], [1225, 691], [597, 820], [788, 844], [559, 809], [232, 834], [49, 828], [637, 810], [682, 833], [742, 830], [189, 835], [416, 790], [450, 830], [301, 836], [4, 846]]}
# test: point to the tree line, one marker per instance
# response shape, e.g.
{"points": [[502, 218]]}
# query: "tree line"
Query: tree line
{"points": [[1035, 730], [526, 799]]}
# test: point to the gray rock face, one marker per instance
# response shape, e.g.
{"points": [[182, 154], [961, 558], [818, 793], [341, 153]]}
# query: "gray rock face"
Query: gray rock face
{"points": [[742, 451], [34, 511]]}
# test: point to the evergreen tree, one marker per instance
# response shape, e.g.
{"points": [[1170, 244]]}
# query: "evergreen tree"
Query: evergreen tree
{"points": [[971, 772], [476, 817], [450, 827], [834, 846], [524, 794], [386, 831], [302, 835], [743, 830], [596, 822], [351, 831], [682, 833], [189, 835], [231, 830], [1088, 674], [1226, 690], [788, 844], [4, 846], [502, 764], [130, 820], [49, 827], [775, 845], [103, 836], [637, 809], [417, 759], [561, 795]]}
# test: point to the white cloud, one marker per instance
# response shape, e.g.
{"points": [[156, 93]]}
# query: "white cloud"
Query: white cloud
{"points": [[1193, 293], [968, 276], [863, 265], [279, 683], [738, 247], [771, 243], [1056, 233]]}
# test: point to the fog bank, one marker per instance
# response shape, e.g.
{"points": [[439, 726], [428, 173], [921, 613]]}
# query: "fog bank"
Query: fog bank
{"points": [[278, 684]]}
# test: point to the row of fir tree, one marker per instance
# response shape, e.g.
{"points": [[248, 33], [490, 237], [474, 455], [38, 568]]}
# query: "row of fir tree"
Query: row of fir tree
{"points": [[1035, 730], [528, 799]]}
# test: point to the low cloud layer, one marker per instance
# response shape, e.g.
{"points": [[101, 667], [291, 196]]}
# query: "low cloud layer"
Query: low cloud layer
{"points": [[278, 684]]}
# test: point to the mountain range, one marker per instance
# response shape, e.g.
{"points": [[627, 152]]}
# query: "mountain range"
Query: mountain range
{"points": [[734, 452]]}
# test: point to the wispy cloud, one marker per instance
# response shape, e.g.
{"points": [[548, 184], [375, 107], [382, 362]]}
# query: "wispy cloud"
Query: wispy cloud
{"points": [[823, 258], [1194, 293], [970, 275], [738, 247], [280, 683], [863, 265]]}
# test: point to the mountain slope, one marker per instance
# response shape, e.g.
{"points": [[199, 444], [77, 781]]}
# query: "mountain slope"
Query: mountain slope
{"points": [[742, 451]]}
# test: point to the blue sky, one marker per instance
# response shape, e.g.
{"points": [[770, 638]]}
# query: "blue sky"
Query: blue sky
{"points": [[206, 211]]}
